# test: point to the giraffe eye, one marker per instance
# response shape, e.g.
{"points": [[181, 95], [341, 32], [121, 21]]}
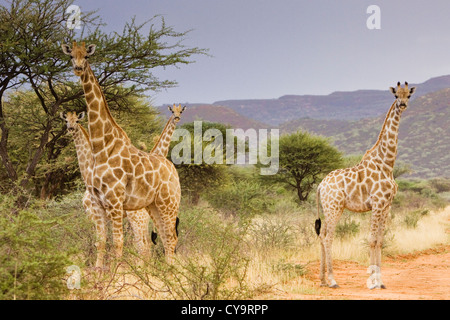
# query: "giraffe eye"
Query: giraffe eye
{"points": [[396, 96], [409, 96]]}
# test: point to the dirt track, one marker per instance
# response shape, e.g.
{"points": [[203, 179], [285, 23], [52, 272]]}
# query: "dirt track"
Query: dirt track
{"points": [[417, 276]]}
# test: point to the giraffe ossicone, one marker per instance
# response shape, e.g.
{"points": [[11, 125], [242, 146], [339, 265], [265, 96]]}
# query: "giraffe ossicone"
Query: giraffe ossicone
{"points": [[369, 185], [124, 177]]}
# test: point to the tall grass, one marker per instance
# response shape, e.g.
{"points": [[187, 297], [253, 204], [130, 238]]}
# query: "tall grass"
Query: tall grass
{"points": [[258, 244]]}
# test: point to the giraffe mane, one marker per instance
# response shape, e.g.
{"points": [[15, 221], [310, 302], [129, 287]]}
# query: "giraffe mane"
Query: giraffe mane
{"points": [[160, 136], [113, 121], [383, 130]]}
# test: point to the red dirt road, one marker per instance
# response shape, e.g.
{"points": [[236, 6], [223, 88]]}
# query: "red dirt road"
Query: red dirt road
{"points": [[423, 275]]}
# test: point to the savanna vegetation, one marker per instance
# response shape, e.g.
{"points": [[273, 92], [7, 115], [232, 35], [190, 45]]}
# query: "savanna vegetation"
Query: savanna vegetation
{"points": [[241, 235]]}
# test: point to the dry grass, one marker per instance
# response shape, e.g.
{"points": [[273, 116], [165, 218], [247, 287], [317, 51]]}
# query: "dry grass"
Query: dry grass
{"points": [[277, 249]]}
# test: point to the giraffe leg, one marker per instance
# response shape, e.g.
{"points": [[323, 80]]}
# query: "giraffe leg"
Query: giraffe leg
{"points": [[378, 222], [97, 215], [323, 259], [328, 243], [139, 224], [116, 215], [165, 219], [326, 236]]}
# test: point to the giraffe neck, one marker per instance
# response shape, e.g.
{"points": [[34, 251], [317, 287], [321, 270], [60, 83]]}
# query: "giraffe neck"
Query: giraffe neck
{"points": [[162, 145], [104, 132], [385, 149], [84, 153]]}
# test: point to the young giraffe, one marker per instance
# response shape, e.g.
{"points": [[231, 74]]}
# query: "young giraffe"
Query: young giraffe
{"points": [[124, 177], [367, 186], [138, 219], [162, 144]]}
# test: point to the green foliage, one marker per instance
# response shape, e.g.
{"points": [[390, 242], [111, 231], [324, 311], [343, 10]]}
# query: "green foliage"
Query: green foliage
{"points": [[347, 228], [212, 255], [32, 61], [304, 160], [195, 178], [31, 266], [241, 198], [412, 218]]}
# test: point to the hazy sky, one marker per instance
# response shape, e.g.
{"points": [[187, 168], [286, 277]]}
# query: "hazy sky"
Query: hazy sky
{"points": [[266, 49]]}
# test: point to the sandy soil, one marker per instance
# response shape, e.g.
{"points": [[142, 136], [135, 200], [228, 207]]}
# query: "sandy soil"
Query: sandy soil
{"points": [[417, 276]]}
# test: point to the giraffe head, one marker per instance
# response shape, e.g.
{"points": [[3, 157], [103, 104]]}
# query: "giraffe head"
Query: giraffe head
{"points": [[402, 95], [79, 55], [71, 119], [176, 111]]}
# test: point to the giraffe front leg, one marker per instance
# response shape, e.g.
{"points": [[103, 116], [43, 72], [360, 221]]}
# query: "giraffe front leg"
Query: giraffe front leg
{"points": [[116, 215], [139, 224], [97, 216], [378, 223]]}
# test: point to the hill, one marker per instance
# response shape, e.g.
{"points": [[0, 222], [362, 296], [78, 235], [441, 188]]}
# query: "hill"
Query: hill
{"points": [[352, 120], [215, 113], [423, 134], [352, 105]]}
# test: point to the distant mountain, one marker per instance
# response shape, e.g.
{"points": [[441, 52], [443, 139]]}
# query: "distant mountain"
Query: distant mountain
{"points": [[352, 120], [215, 113], [423, 135], [352, 105]]}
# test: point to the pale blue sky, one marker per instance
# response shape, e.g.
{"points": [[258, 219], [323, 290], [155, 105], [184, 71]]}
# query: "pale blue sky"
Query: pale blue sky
{"points": [[266, 49]]}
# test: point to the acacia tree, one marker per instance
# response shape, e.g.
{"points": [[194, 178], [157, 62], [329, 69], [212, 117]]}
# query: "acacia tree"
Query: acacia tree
{"points": [[303, 160], [198, 178], [31, 34]]}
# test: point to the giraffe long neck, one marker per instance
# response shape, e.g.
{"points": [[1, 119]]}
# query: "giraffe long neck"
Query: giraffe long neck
{"points": [[104, 132], [84, 153], [385, 149], [162, 145]]}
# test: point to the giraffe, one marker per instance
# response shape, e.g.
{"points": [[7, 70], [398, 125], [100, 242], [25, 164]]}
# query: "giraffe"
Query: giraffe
{"points": [[162, 144], [367, 186], [138, 219], [124, 177]]}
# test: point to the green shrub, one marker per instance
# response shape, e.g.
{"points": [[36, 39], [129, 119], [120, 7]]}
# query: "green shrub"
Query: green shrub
{"points": [[211, 262], [241, 198], [412, 218], [347, 228], [31, 264]]}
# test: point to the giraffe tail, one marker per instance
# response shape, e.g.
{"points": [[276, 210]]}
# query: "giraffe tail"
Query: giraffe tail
{"points": [[318, 222], [154, 236], [176, 226]]}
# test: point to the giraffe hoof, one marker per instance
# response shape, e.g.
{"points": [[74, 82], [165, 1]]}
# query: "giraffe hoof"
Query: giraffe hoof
{"points": [[375, 286], [334, 286], [383, 286]]}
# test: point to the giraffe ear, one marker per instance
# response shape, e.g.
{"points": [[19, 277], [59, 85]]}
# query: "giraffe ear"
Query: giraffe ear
{"points": [[393, 90], [412, 90], [90, 49], [62, 115], [170, 108], [81, 115], [184, 108], [66, 49]]}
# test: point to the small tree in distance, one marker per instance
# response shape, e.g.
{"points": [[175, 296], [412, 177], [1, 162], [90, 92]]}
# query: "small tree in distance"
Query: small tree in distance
{"points": [[304, 160]]}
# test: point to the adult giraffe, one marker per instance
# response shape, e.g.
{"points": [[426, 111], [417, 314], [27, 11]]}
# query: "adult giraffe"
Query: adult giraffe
{"points": [[124, 177], [367, 186], [138, 219]]}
